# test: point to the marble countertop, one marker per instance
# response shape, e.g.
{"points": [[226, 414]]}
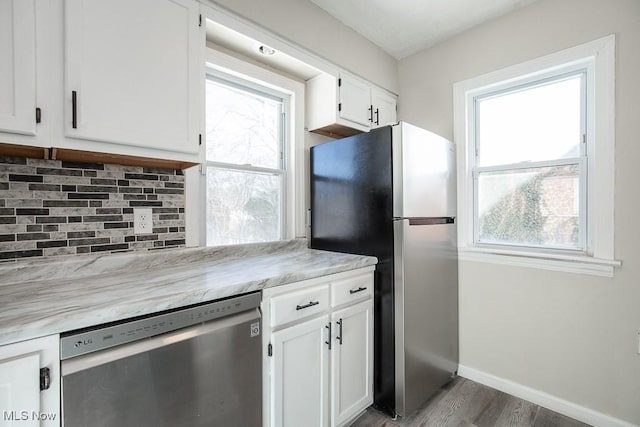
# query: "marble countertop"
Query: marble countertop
{"points": [[45, 297]]}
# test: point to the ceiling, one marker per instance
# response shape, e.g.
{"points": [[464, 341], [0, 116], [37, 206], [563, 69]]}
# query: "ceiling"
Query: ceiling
{"points": [[404, 27]]}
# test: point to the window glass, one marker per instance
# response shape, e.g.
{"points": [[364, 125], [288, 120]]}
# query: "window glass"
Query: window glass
{"points": [[242, 207], [243, 125], [531, 124], [533, 207]]}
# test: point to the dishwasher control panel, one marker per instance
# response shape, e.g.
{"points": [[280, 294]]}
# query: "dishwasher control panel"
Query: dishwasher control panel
{"points": [[77, 343]]}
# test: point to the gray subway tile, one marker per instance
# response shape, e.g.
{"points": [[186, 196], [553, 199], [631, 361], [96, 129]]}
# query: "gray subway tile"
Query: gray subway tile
{"points": [[87, 242], [97, 196], [28, 211], [96, 189], [65, 172], [102, 218], [20, 254], [75, 165], [25, 178], [102, 248], [32, 236], [50, 219], [80, 234], [111, 225], [141, 176], [51, 244], [133, 203], [65, 203], [13, 160], [44, 187]]}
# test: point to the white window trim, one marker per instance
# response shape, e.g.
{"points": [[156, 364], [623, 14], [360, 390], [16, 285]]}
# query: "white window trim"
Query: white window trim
{"points": [[601, 130], [294, 212]]}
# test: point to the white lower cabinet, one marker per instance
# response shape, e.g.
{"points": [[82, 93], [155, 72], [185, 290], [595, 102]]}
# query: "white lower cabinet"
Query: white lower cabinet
{"points": [[300, 374], [352, 362], [318, 364], [30, 383]]}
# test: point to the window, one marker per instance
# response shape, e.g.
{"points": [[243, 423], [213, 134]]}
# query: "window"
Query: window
{"points": [[245, 150], [535, 162], [530, 152], [250, 187]]}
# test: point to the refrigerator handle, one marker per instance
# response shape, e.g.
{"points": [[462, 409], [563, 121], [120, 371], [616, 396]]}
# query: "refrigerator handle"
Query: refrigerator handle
{"points": [[432, 221]]}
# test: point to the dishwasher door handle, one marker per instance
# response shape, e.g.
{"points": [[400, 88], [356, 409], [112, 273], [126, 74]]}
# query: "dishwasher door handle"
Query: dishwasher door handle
{"points": [[87, 361]]}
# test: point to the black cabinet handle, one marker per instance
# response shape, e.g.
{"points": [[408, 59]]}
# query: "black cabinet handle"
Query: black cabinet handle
{"points": [[377, 116], [328, 342], [311, 304], [370, 109], [355, 291], [339, 336], [74, 109]]}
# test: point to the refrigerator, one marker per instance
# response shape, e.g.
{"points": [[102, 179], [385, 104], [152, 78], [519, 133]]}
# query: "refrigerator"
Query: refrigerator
{"points": [[391, 193]]}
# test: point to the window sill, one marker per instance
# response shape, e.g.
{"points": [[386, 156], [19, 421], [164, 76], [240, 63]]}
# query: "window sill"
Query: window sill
{"points": [[580, 264]]}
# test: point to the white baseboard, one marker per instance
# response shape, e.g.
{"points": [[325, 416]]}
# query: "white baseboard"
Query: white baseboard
{"points": [[543, 399]]}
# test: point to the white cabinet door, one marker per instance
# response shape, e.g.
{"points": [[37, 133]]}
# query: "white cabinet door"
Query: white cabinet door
{"points": [[300, 376], [131, 73], [384, 108], [20, 390], [352, 362], [354, 100], [17, 67], [21, 401]]}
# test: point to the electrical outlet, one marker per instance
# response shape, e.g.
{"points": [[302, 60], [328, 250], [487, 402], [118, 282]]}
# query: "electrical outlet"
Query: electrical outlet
{"points": [[142, 221]]}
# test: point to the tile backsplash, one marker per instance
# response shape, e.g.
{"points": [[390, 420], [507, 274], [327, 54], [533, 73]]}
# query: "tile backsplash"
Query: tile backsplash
{"points": [[52, 207]]}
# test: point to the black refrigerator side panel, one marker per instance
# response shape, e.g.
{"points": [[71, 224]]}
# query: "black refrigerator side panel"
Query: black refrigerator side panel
{"points": [[352, 212]]}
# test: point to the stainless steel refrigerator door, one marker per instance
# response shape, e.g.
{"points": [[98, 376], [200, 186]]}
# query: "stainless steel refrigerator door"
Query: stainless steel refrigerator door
{"points": [[204, 375], [426, 307], [424, 173]]}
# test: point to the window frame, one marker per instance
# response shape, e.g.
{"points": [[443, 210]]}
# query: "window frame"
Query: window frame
{"points": [[195, 186], [597, 58], [256, 88], [581, 161]]}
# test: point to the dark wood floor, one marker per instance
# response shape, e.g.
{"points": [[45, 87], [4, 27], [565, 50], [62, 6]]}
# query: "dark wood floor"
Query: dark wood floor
{"points": [[464, 403]]}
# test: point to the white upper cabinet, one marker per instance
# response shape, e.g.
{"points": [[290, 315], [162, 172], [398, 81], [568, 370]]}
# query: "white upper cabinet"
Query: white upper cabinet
{"points": [[383, 108], [131, 73], [17, 67], [354, 97], [347, 105]]}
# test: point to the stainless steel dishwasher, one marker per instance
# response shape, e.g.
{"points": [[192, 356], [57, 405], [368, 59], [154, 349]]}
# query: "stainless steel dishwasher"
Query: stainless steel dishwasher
{"points": [[199, 366]]}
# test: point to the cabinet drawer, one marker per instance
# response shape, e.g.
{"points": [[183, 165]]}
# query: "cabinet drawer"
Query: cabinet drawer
{"points": [[298, 305], [351, 289]]}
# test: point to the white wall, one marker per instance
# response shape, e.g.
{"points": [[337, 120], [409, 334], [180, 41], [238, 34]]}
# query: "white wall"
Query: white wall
{"points": [[305, 24], [572, 336]]}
